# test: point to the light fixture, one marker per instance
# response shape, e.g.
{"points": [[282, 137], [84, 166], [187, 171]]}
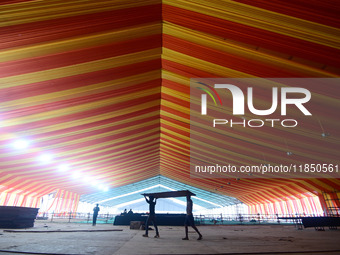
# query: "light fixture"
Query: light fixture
{"points": [[46, 158], [86, 179], [20, 144], [104, 188], [75, 175], [95, 183], [63, 167]]}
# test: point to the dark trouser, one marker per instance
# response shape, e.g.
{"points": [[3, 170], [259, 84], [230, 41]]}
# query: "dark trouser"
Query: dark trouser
{"points": [[151, 218], [190, 221], [94, 222]]}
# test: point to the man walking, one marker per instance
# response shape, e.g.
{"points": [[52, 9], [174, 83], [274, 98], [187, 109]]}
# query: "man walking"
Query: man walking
{"points": [[189, 220], [152, 216]]}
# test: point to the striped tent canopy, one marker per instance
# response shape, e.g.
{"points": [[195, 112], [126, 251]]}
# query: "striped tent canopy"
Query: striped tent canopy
{"points": [[96, 94]]}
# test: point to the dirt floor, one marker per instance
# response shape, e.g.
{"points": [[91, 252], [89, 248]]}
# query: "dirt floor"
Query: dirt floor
{"points": [[75, 238]]}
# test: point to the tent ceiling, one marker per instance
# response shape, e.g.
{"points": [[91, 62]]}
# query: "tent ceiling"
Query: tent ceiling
{"points": [[132, 192], [103, 86]]}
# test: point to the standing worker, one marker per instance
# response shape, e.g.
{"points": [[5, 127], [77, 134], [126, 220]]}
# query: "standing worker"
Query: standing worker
{"points": [[95, 214], [189, 220], [151, 217]]}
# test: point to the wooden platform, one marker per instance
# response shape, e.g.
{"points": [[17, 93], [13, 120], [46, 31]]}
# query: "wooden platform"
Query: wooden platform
{"points": [[179, 193], [318, 222], [321, 222], [17, 217]]}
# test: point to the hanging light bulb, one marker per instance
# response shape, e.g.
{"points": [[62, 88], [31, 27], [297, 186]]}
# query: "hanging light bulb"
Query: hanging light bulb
{"points": [[63, 167], [21, 144], [76, 175], [46, 158]]}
